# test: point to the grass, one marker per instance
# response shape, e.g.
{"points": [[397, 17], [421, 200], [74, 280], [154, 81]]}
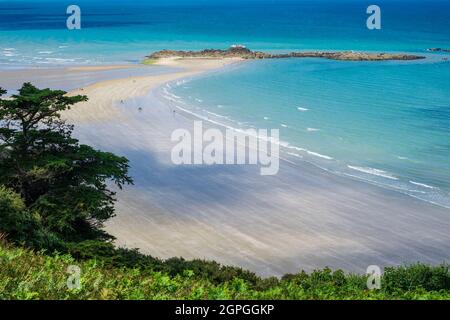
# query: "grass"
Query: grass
{"points": [[149, 61], [25, 274]]}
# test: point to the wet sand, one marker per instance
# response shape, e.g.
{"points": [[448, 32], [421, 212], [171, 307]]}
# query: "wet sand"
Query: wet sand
{"points": [[70, 78], [302, 218]]}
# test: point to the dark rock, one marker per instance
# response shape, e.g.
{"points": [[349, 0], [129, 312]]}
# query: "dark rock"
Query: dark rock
{"points": [[244, 53], [439, 50]]}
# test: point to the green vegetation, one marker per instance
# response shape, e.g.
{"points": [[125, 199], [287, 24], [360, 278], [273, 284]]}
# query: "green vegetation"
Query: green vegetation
{"points": [[53, 189], [54, 200], [28, 275], [149, 61]]}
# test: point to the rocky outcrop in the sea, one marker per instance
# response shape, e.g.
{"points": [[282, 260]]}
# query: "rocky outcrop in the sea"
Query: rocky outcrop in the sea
{"points": [[244, 53], [234, 52], [438, 50]]}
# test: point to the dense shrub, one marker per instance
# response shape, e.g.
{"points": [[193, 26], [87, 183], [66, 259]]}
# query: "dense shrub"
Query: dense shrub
{"points": [[14, 218], [28, 275], [132, 258], [416, 277], [21, 226]]}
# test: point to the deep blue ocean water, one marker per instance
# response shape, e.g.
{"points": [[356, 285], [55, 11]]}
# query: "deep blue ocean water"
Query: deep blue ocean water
{"points": [[115, 30], [385, 122]]}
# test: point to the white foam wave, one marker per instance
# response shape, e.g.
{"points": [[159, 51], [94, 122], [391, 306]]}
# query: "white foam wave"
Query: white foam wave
{"points": [[170, 94], [372, 171], [319, 155], [295, 154], [240, 130], [422, 185], [244, 131], [312, 129], [59, 60], [311, 153], [216, 115], [297, 148], [302, 109], [174, 95]]}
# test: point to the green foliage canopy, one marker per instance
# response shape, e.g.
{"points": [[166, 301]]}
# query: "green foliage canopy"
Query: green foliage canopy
{"points": [[61, 182]]}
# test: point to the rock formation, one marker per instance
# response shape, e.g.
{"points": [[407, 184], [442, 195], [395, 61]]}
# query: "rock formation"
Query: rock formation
{"points": [[438, 50], [244, 53]]}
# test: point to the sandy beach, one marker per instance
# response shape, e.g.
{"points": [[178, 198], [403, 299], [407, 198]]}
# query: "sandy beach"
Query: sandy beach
{"points": [[301, 218], [104, 94]]}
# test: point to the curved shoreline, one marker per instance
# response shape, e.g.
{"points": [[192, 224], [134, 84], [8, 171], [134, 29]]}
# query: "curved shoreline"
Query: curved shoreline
{"points": [[105, 93], [348, 171], [302, 218]]}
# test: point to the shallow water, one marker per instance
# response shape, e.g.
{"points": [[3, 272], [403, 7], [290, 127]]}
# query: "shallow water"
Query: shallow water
{"points": [[67, 80], [385, 122]]}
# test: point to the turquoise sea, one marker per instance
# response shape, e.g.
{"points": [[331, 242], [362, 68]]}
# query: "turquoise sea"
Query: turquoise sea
{"points": [[387, 123], [34, 32], [384, 122]]}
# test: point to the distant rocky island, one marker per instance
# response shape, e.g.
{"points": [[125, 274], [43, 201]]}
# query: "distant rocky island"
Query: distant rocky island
{"points": [[438, 50], [245, 53]]}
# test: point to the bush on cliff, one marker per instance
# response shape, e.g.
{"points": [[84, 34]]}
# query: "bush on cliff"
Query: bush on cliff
{"points": [[29, 275], [61, 183], [132, 258], [21, 225]]}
